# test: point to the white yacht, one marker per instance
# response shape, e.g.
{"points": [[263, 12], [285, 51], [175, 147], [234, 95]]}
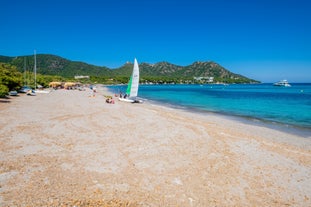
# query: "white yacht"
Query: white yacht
{"points": [[283, 83]]}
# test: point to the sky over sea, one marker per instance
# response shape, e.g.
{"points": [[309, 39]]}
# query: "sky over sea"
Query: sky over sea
{"points": [[267, 40]]}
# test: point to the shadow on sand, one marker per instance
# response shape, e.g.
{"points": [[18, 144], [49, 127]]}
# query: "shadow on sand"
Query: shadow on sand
{"points": [[5, 100]]}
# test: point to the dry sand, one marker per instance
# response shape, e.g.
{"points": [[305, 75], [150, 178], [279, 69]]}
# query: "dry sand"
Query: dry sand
{"points": [[68, 149]]}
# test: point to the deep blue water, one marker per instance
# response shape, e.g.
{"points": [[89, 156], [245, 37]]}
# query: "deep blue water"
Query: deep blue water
{"points": [[285, 105]]}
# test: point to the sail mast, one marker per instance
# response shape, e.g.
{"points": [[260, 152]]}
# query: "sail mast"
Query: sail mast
{"points": [[25, 82], [35, 70]]}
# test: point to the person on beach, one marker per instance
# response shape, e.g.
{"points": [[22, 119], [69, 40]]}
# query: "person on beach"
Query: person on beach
{"points": [[92, 92], [110, 100]]}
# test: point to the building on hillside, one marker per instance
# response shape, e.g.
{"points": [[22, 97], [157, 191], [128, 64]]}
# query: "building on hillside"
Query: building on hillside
{"points": [[82, 77], [206, 79]]}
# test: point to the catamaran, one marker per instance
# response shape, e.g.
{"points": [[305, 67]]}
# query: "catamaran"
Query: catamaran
{"points": [[25, 88], [35, 72], [132, 88]]}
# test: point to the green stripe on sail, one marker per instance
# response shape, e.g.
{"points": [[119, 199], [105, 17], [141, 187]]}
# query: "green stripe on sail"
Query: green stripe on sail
{"points": [[128, 90]]}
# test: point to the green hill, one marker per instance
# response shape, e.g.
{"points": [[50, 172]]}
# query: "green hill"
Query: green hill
{"points": [[55, 65]]}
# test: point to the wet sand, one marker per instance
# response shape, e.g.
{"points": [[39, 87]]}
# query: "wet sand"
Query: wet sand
{"points": [[69, 148]]}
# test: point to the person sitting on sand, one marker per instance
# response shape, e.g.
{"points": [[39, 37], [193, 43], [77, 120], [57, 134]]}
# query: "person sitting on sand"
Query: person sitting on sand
{"points": [[110, 100]]}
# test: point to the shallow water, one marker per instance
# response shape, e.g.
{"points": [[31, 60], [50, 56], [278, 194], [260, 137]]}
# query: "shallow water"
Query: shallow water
{"points": [[285, 105]]}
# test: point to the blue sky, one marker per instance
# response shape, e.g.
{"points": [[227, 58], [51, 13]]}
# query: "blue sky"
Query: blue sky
{"points": [[267, 40]]}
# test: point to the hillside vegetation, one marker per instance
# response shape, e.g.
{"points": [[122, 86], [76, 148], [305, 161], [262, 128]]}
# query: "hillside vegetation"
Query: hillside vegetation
{"points": [[55, 65]]}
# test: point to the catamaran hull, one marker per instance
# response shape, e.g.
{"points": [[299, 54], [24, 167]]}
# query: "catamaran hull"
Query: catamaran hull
{"points": [[31, 94], [126, 100], [41, 91], [130, 100]]}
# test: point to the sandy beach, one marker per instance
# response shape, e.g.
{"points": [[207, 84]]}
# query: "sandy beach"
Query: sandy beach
{"points": [[68, 148]]}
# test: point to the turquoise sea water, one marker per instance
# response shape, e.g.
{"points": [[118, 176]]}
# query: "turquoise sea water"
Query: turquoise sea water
{"points": [[284, 105]]}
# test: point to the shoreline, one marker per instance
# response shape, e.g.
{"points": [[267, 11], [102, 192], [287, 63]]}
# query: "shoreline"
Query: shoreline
{"points": [[299, 134], [71, 148], [304, 132]]}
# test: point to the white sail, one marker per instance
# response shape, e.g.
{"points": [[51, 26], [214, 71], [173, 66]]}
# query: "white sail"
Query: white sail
{"points": [[132, 88], [135, 80]]}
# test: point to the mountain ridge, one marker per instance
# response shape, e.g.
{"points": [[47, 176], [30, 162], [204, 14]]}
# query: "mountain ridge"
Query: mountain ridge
{"points": [[49, 64]]}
